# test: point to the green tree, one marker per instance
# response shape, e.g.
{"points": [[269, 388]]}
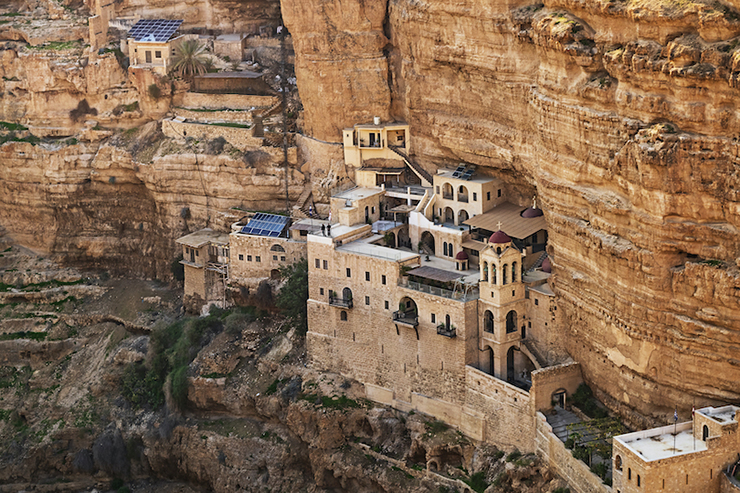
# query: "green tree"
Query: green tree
{"points": [[190, 59], [293, 297]]}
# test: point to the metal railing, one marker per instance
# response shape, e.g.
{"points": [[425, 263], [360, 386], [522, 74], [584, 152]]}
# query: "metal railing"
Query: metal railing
{"points": [[406, 318], [460, 295], [448, 196], [443, 330], [340, 302], [462, 198]]}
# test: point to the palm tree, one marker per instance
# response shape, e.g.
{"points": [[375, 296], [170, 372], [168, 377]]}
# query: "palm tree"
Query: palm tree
{"points": [[190, 59]]}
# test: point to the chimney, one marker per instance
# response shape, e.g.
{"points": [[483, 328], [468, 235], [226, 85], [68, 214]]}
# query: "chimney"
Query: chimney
{"points": [[376, 120]]}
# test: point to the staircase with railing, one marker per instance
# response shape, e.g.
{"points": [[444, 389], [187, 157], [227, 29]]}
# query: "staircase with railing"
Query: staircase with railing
{"points": [[423, 174]]}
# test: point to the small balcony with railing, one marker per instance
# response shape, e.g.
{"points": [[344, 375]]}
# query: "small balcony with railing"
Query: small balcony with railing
{"points": [[340, 302], [406, 317], [447, 330]]}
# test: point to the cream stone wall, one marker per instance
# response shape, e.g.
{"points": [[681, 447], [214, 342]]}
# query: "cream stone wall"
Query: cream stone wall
{"points": [[238, 116], [195, 281], [473, 207], [542, 326], [547, 381], [355, 214], [221, 101], [244, 247]]}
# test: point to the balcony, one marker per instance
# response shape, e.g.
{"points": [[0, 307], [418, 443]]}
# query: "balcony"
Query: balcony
{"points": [[446, 331], [448, 196], [340, 302], [406, 318], [462, 198], [461, 295]]}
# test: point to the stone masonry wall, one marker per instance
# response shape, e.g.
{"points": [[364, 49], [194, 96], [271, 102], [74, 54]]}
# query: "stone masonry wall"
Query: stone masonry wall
{"points": [[221, 101], [245, 249], [559, 459]]}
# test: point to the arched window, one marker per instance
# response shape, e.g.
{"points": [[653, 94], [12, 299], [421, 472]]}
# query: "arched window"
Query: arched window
{"points": [[347, 294], [511, 322], [277, 248], [513, 272], [505, 274], [444, 248], [447, 322], [488, 321], [485, 271], [343, 315], [705, 433], [618, 463], [493, 274]]}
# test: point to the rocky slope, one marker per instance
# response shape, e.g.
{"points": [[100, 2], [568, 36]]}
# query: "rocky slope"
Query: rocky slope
{"points": [[621, 116]]}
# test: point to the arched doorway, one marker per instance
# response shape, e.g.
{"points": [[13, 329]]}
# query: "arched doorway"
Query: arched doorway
{"points": [[428, 240], [705, 433], [511, 322], [510, 370], [462, 216], [447, 192], [488, 321], [390, 239], [407, 312], [462, 194], [274, 274], [347, 294], [449, 216], [558, 398]]}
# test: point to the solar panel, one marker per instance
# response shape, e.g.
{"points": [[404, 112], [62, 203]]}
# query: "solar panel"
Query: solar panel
{"points": [[266, 225], [468, 174], [458, 171], [154, 30]]}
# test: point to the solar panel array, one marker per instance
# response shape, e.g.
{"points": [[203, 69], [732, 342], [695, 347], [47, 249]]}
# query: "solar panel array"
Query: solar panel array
{"points": [[154, 30], [266, 225], [464, 172]]}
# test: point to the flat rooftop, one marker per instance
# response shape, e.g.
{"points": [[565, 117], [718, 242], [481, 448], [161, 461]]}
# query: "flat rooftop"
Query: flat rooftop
{"points": [[724, 414], [203, 237], [657, 443], [364, 247], [447, 174], [358, 193]]}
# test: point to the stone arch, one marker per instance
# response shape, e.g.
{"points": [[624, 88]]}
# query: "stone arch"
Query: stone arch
{"points": [[346, 294], [427, 239], [277, 248], [408, 306], [462, 193], [558, 398], [433, 465], [447, 191], [488, 321], [511, 321], [343, 315], [391, 238], [705, 433], [449, 215], [462, 216], [618, 462], [510, 370]]}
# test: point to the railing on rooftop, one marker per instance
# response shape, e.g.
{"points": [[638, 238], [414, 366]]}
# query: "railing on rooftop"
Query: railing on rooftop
{"points": [[458, 295], [341, 302], [406, 318]]}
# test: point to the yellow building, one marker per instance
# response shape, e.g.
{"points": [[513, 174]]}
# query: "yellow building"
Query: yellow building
{"points": [[364, 142], [152, 43], [686, 458]]}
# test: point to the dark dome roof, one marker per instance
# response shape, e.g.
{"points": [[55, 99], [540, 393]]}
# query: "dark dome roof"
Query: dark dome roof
{"points": [[499, 237], [531, 212], [546, 265], [461, 256]]}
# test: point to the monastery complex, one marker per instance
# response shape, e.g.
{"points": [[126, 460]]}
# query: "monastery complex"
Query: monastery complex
{"points": [[433, 291]]}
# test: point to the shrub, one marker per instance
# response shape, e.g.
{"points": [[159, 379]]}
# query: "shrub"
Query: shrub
{"points": [[154, 91], [179, 385], [236, 322], [599, 469], [513, 456], [477, 482]]}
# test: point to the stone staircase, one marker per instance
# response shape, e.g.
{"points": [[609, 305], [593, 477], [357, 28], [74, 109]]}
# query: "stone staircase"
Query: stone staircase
{"points": [[537, 263], [423, 174]]}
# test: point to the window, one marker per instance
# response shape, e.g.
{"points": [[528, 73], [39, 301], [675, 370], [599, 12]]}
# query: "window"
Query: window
{"points": [[274, 257], [282, 258], [536, 302], [343, 315], [367, 300], [475, 196], [197, 253], [157, 54], [257, 259], [148, 56], [629, 473], [499, 192], [638, 480], [277, 248], [383, 279], [241, 257], [321, 291], [249, 258], [372, 210], [513, 292], [317, 263], [386, 305], [437, 189], [326, 264], [349, 272], [488, 195], [434, 318], [367, 276]]}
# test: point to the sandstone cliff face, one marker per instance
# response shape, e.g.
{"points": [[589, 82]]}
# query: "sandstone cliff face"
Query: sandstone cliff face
{"points": [[622, 117]]}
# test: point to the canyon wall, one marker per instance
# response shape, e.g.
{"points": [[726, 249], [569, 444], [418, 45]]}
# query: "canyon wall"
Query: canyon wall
{"points": [[622, 117]]}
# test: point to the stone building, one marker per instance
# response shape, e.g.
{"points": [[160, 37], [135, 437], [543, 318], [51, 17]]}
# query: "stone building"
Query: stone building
{"points": [[152, 43], [205, 258], [685, 458]]}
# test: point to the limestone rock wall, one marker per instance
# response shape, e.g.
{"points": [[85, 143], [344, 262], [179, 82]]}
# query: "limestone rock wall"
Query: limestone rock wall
{"points": [[622, 117]]}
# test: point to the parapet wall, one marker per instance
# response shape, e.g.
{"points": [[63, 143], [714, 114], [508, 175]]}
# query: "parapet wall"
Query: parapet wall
{"points": [[727, 485], [559, 459], [222, 101]]}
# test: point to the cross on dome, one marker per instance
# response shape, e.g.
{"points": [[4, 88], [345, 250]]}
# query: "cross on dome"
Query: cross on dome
{"points": [[499, 225]]}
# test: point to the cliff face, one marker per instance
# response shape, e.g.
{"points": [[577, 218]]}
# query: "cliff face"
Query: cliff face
{"points": [[621, 116]]}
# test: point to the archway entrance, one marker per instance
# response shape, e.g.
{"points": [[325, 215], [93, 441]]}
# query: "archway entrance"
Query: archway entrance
{"points": [[428, 240], [390, 239], [510, 370], [449, 216], [705, 433], [511, 322], [488, 321], [462, 216]]}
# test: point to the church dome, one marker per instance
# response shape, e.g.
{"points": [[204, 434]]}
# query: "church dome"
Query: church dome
{"points": [[461, 256], [531, 212], [546, 265], [499, 237]]}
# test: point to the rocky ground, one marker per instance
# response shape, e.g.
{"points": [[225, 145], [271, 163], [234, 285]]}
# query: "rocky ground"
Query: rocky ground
{"points": [[253, 416]]}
